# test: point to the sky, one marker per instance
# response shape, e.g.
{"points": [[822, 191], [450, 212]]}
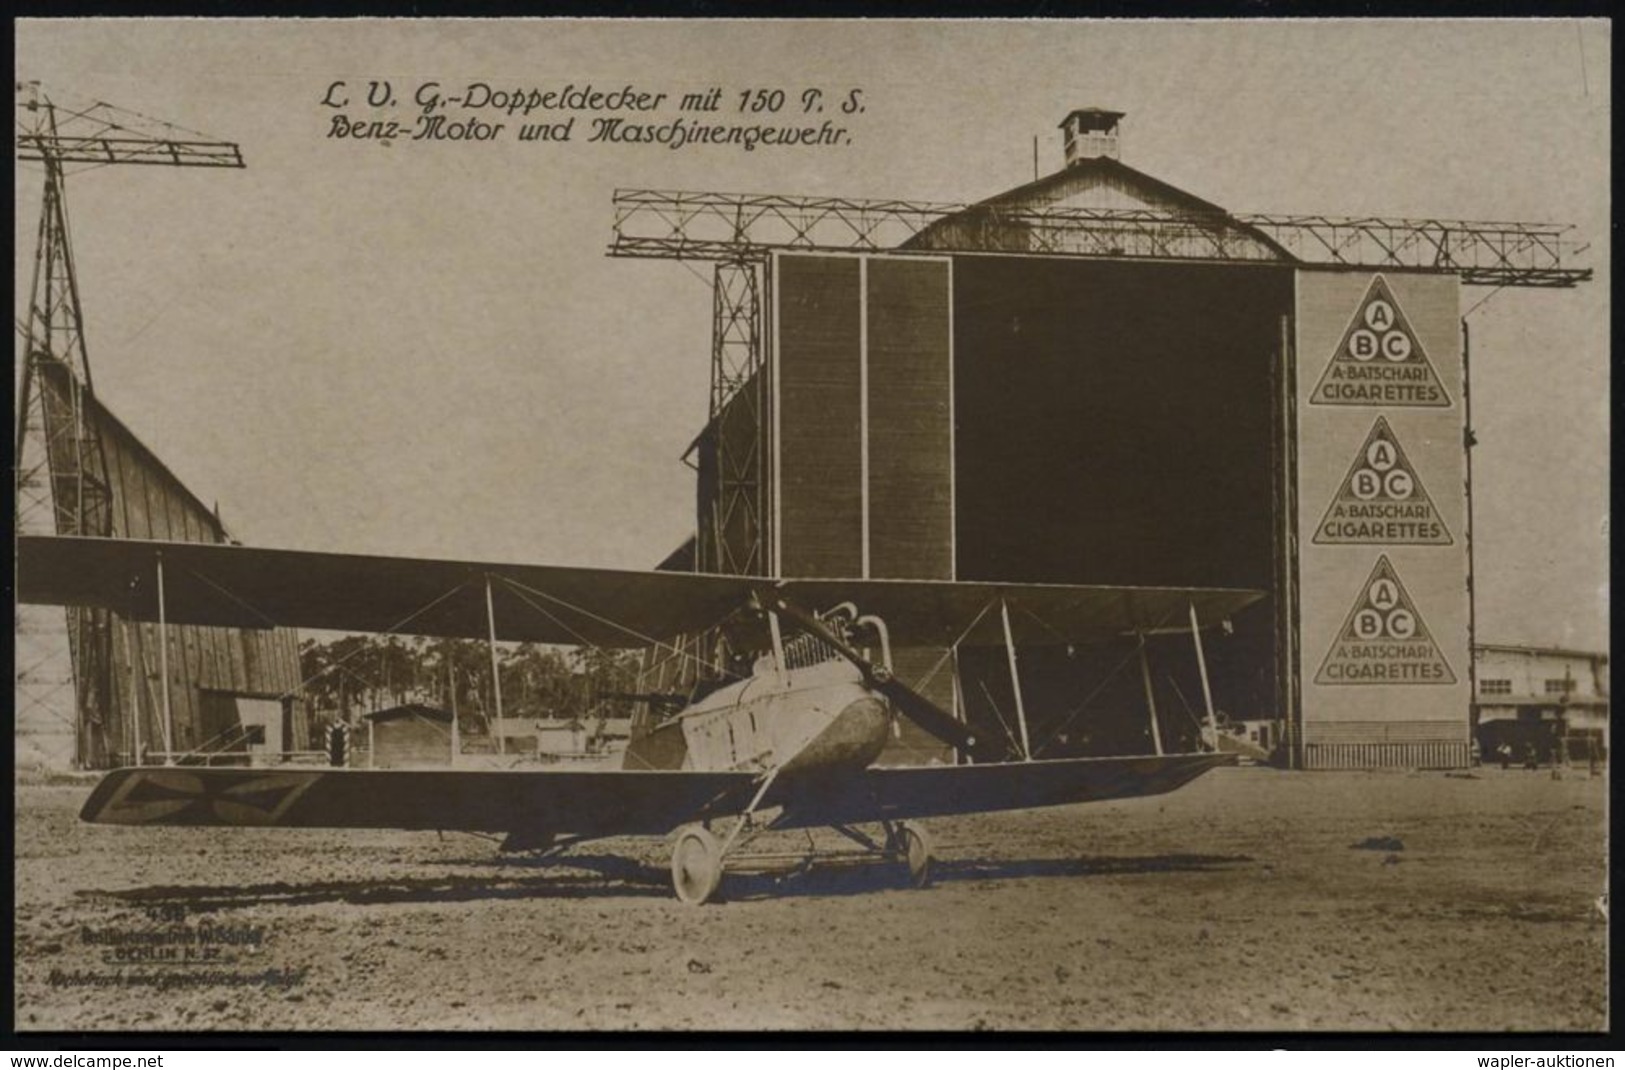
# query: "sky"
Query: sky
{"points": [[422, 348]]}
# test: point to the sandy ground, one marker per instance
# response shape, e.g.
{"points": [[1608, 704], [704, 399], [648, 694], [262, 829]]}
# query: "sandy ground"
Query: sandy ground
{"points": [[1237, 903]]}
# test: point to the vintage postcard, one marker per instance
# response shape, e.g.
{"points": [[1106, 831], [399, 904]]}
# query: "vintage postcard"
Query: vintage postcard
{"points": [[573, 524]]}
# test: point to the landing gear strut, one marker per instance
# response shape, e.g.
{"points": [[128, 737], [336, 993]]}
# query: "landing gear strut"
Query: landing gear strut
{"points": [[698, 858]]}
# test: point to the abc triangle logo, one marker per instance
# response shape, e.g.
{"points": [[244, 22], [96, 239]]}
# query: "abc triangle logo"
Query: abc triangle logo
{"points": [[1384, 640], [1382, 500], [1380, 360]]}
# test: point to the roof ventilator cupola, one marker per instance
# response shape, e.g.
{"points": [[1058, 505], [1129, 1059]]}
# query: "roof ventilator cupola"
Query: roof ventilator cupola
{"points": [[1090, 133]]}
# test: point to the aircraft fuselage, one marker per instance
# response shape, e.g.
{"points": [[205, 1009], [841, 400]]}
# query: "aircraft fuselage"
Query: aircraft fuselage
{"points": [[820, 717]]}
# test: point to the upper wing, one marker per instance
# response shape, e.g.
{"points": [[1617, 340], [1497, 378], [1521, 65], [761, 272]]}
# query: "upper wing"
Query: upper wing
{"points": [[936, 791], [586, 802], [249, 587], [967, 613]]}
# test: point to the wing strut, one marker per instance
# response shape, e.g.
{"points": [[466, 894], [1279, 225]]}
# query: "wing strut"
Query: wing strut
{"points": [[496, 674], [1015, 682], [1201, 667], [1150, 696], [135, 694], [163, 665]]}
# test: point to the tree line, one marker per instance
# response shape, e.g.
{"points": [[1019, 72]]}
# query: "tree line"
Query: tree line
{"points": [[356, 674]]}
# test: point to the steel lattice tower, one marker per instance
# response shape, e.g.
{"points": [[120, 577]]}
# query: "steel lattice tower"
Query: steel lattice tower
{"points": [[738, 394], [62, 483]]}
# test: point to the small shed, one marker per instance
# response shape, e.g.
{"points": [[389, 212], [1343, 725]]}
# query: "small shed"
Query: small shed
{"points": [[412, 736], [560, 736]]}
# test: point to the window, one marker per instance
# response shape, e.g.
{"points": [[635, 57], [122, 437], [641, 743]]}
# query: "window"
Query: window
{"points": [[1495, 687], [1559, 687]]}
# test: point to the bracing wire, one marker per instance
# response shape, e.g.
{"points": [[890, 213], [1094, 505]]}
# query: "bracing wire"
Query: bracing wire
{"points": [[241, 602], [337, 665], [583, 640], [1015, 747], [676, 651], [1101, 686], [952, 647]]}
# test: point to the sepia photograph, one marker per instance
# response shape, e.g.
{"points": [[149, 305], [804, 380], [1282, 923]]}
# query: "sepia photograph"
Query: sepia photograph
{"points": [[537, 525]]}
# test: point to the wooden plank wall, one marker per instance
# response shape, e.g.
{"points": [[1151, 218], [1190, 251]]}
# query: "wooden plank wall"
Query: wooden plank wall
{"points": [[911, 462], [150, 502]]}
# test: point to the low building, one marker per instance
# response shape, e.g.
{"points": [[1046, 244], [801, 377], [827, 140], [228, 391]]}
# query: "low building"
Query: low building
{"points": [[552, 738], [412, 736], [542, 737], [612, 733], [1544, 702]]}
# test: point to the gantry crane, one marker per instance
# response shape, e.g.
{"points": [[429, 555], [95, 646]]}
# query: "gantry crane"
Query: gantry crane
{"points": [[738, 232], [675, 225], [62, 482]]}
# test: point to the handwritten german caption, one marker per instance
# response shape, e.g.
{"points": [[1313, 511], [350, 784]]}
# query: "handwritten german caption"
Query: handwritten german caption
{"points": [[594, 113]]}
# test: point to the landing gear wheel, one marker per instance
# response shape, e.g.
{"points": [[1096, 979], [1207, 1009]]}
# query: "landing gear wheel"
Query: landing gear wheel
{"points": [[696, 865], [917, 852]]}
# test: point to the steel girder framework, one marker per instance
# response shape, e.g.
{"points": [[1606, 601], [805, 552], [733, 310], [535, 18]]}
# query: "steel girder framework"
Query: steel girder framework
{"points": [[728, 226], [736, 330], [165, 152], [1481, 253], [737, 537]]}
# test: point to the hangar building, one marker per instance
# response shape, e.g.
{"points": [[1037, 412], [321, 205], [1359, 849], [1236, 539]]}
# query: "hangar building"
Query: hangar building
{"points": [[1535, 695], [229, 691], [968, 406]]}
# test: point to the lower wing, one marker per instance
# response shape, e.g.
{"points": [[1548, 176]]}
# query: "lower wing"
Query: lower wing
{"points": [[943, 790], [609, 802], [594, 803]]}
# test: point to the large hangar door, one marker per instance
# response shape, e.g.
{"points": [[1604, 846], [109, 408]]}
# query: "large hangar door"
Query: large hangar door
{"points": [[908, 359], [1117, 423], [818, 410], [864, 434]]}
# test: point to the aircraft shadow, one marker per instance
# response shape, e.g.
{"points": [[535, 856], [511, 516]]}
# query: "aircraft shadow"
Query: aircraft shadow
{"points": [[606, 877], [586, 876], [865, 879]]}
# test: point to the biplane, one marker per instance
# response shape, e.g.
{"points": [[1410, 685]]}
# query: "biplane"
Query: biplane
{"points": [[788, 738]]}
